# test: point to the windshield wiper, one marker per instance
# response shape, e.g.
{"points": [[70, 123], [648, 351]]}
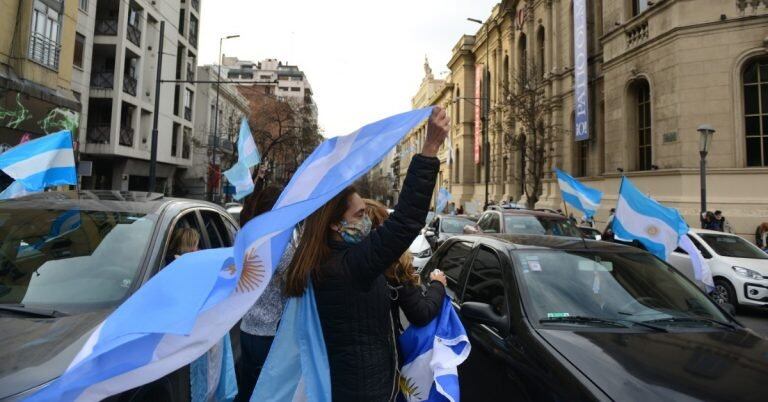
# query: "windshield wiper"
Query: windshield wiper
{"points": [[31, 311], [646, 325], [693, 319], [582, 320]]}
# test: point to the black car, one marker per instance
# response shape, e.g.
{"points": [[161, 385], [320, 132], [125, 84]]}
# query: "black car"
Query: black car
{"points": [[561, 319], [524, 222], [443, 227], [68, 259]]}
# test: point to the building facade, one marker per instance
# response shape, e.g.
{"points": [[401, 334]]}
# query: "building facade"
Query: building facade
{"points": [[116, 80], [657, 70], [37, 43]]}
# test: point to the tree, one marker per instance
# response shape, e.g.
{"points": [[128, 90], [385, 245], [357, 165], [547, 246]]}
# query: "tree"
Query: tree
{"points": [[528, 128]]}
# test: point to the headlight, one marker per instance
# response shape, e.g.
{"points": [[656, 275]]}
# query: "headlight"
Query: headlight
{"points": [[424, 254], [748, 273]]}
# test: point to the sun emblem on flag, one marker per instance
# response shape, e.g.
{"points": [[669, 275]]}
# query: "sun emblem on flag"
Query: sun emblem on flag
{"points": [[408, 388], [254, 272], [652, 230]]}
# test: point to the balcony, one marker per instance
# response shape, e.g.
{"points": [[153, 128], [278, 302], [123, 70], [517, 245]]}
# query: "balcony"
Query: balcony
{"points": [[129, 85], [196, 5], [188, 113], [106, 27], [134, 35], [103, 79], [43, 50], [126, 136], [224, 144], [98, 134]]}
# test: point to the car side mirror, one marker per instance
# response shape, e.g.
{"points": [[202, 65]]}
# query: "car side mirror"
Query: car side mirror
{"points": [[429, 233], [470, 229], [482, 313]]}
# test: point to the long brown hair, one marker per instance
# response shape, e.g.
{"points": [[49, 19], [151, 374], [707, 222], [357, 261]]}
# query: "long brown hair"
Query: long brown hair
{"points": [[402, 271], [258, 203], [313, 248]]}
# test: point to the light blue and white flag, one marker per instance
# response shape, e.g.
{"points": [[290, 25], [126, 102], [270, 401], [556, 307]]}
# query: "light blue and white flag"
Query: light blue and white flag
{"points": [[443, 196], [247, 157], [641, 218], [212, 375], [186, 308], [701, 271], [431, 355], [297, 366], [40, 163], [581, 197], [15, 190]]}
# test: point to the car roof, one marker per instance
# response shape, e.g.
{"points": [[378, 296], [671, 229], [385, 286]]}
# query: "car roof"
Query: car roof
{"points": [[523, 242], [707, 231], [519, 212], [99, 200]]}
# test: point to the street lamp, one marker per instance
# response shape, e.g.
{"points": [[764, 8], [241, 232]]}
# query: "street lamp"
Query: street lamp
{"points": [[486, 106], [216, 117], [705, 140]]}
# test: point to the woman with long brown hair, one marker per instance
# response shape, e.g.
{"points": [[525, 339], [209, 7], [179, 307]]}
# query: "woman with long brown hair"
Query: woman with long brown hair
{"points": [[420, 306], [345, 260]]}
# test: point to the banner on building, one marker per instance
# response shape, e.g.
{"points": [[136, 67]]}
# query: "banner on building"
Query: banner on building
{"points": [[581, 119], [478, 104]]}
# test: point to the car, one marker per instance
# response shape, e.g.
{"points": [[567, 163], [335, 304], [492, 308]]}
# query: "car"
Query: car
{"points": [[68, 259], [523, 221], [443, 227], [590, 233], [421, 251], [739, 268], [235, 211], [557, 318]]}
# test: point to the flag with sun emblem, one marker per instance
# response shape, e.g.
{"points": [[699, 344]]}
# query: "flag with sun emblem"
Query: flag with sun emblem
{"points": [[641, 218], [187, 308]]}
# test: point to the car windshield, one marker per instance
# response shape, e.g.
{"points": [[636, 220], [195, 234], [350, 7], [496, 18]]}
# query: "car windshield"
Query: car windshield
{"points": [[539, 225], [70, 260], [732, 246], [455, 225], [626, 288]]}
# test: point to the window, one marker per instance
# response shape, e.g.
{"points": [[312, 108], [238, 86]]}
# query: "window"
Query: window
{"points": [[188, 220], [456, 168], [217, 232], [175, 138], [83, 5], [523, 61], [79, 50], [638, 6], [644, 146], [485, 282], [540, 57], [44, 46], [582, 150], [755, 81], [265, 77], [186, 145], [452, 262], [494, 223]]}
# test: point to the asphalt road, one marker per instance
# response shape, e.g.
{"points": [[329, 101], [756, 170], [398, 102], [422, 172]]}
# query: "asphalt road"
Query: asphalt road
{"points": [[754, 318]]}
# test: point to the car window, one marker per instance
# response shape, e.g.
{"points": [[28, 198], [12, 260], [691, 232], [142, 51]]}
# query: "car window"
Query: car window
{"points": [[187, 220], [494, 224], [452, 262], [484, 222], [214, 227], [455, 225], [703, 250], [733, 246], [231, 229], [484, 283]]}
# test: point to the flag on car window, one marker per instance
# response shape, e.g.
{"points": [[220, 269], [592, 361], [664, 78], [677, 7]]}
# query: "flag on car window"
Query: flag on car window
{"points": [[431, 355], [186, 308], [638, 217], [576, 194], [37, 164], [247, 157]]}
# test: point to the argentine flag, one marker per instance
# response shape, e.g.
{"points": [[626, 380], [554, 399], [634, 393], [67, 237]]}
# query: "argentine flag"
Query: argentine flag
{"points": [[247, 157], [40, 163], [186, 309], [443, 196], [581, 197], [431, 355], [641, 218]]}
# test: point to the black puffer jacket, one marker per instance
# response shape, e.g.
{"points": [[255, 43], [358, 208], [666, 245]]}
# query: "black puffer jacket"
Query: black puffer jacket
{"points": [[353, 299], [420, 306]]}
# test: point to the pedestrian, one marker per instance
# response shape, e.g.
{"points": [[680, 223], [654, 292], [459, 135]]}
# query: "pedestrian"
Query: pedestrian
{"points": [[460, 210], [259, 324], [720, 223], [708, 221], [420, 305], [345, 260]]}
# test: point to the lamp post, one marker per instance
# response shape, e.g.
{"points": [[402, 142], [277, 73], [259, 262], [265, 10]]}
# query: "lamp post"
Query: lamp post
{"points": [[705, 140], [216, 117], [486, 99]]}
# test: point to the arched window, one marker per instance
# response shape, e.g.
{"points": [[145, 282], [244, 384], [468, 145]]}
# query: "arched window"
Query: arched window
{"points": [[457, 104], [456, 168], [540, 45], [505, 79], [755, 81], [638, 6], [522, 47], [640, 96]]}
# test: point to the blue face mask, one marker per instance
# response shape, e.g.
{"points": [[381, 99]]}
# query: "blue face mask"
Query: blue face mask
{"points": [[354, 233]]}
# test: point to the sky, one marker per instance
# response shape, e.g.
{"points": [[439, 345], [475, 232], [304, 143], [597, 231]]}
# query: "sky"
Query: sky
{"points": [[364, 59]]}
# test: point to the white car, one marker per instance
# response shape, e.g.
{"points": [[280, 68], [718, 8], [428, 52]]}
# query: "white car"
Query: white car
{"points": [[739, 268], [421, 251]]}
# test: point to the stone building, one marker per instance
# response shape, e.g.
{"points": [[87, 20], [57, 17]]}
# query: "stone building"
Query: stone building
{"points": [[657, 70]]}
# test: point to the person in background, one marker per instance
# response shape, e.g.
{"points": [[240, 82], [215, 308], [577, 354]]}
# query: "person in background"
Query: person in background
{"points": [[460, 210], [608, 231], [259, 325], [708, 221], [720, 223], [184, 240]]}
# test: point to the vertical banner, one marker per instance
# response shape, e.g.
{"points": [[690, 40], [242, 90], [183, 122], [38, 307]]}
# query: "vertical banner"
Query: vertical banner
{"points": [[478, 106], [580, 86]]}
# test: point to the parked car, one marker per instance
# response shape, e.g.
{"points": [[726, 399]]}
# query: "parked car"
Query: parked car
{"points": [[554, 318], [443, 227], [590, 233], [68, 259], [523, 221], [739, 268], [234, 211], [421, 251]]}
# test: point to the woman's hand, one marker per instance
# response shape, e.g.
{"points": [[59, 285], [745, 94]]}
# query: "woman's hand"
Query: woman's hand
{"points": [[438, 275], [437, 130]]}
